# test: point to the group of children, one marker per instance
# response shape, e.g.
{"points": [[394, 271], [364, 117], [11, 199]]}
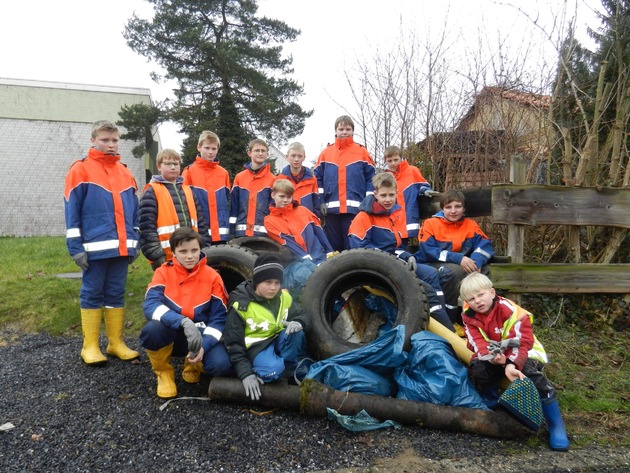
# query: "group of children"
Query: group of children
{"points": [[257, 332]]}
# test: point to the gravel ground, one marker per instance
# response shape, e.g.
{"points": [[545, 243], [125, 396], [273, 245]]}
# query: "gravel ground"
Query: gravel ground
{"points": [[70, 417]]}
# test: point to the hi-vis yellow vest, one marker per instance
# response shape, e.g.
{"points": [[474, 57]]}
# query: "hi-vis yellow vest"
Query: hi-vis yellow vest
{"points": [[167, 220], [537, 351], [260, 323]]}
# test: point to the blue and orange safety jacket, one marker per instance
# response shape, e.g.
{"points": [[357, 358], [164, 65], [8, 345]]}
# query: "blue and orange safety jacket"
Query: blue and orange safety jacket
{"points": [[375, 227], [344, 173], [101, 207], [411, 185], [448, 242], [199, 294], [211, 186], [306, 191], [249, 201], [298, 229]]}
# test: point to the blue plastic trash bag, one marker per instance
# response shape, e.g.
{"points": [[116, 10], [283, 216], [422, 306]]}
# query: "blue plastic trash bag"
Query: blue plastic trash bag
{"points": [[360, 422], [382, 356], [352, 378], [434, 374], [297, 273], [384, 306]]}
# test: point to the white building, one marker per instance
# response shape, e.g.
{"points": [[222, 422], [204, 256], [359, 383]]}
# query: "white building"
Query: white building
{"points": [[44, 128]]}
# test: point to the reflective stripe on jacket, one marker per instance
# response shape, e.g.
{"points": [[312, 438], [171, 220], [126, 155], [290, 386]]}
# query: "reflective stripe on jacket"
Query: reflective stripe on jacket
{"points": [[167, 218]]}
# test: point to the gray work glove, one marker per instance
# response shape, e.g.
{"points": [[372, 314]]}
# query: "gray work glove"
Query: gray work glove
{"points": [[323, 210], [431, 193], [252, 386], [192, 335], [293, 327], [81, 260], [413, 265]]}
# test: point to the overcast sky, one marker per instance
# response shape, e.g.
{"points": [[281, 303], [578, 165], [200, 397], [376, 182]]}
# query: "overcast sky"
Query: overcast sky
{"points": [[80, 41]]}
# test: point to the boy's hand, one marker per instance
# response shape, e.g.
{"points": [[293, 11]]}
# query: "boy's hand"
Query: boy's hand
{"points": [[468, 265], [81, 260], [192, 335], [513, 373], [293, 327], [252, 386], [195, 358]]}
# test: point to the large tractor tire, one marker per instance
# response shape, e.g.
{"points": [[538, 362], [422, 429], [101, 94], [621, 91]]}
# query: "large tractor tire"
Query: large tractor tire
{"points": [[235, 264], [260, 245], [379, 272]]}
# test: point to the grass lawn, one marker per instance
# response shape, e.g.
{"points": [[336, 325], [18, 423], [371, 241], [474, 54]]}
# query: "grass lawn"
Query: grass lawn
{"points": [[588, 359]]}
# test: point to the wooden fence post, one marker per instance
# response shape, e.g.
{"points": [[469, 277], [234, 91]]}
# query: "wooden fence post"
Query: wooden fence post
{"points": [[516, 233]]}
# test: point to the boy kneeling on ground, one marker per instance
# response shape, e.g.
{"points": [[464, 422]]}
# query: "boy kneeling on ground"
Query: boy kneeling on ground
{"points": [[186, 312], [264, 333], [489, 317]]}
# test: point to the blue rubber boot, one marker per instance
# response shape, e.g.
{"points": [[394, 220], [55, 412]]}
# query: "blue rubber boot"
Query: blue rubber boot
{"points": [[558, 439]]}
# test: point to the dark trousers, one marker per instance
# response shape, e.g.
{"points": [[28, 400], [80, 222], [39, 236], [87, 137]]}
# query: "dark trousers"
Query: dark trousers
{"points": [[336, 229], [485, 376]]}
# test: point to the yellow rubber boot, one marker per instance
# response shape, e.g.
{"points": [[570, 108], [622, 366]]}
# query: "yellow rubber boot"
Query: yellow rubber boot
{"points": [[192, 371], [114, 322], [91, 326], [161, 363]]}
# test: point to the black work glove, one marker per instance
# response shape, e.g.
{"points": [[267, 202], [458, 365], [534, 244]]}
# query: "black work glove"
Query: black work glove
{"points": [[323, 210], [81, 260], [192, 335], [159, 262]]}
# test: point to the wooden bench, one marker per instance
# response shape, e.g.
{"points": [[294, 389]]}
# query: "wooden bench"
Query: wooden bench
{"points": [[520, 205]]}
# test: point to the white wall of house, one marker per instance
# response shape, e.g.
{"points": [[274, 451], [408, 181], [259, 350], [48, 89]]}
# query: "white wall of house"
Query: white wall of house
{"points": [[44, 128]]}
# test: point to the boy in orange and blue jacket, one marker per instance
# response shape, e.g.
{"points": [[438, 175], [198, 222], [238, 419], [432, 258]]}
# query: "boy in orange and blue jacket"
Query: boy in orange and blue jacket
{"points": [[185, 308], [251, 193], [101, 210], [379, 224], [344, 173], [411, 186], [211, 186], [302, 178], [455, 245]]}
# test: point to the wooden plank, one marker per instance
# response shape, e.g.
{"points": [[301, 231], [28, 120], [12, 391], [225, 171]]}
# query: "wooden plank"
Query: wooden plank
{"points": [[562, 278], [560, 205]]}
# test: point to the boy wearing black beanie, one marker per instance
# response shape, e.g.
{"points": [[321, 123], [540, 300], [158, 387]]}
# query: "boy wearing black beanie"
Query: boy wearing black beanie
{"points": [[264, 332]]}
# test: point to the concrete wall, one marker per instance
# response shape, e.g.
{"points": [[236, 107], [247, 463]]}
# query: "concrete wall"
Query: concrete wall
{"points": [[44, 127]]}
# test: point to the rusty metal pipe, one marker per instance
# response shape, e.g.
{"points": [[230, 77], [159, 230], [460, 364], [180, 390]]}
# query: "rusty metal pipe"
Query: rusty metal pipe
{"points": [[312, 399]]}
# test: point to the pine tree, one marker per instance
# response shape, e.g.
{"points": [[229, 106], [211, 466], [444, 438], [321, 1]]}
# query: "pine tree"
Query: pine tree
{"points": [[232, 77]]}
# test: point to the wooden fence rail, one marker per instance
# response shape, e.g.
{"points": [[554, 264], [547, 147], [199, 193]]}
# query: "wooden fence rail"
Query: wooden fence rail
{"points": [[523, 205]]}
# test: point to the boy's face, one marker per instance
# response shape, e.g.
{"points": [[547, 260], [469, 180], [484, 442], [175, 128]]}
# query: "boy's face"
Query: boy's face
{"points": [[481, 301], [187, 253], [295, 158], [258, 154], [268, 289], [281, 199], [393, 162], [208, 151], [453, 211], [344, 131], [106, 142], [169, 169], [386, 196]]}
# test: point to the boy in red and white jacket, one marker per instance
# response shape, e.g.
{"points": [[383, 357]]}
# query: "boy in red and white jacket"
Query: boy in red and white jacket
{"points": [[491, 318]]}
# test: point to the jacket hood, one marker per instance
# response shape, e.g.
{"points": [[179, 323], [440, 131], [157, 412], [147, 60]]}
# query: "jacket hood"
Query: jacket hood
{"points": [[273, 210], [344, 142], [159, 178], [95, 153], [199, 161]]}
